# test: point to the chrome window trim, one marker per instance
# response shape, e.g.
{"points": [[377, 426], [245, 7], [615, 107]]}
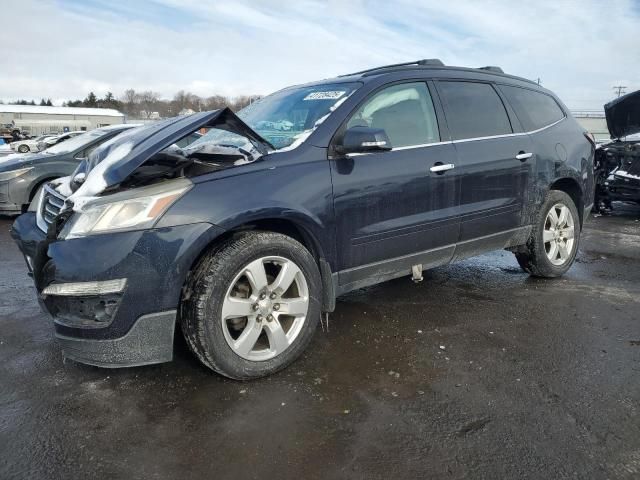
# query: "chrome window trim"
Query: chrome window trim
{"points": [[547, 126], [464, 140], [409, 147], [490, 137]]}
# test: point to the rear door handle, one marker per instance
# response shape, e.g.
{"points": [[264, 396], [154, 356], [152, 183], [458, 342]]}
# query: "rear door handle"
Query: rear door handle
{"points": [[441, 168], [522, 156]]}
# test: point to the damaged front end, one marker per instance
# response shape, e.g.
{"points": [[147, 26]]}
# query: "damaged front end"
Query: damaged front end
{"points": [[104, 273], [144, 157], [617, 164]]}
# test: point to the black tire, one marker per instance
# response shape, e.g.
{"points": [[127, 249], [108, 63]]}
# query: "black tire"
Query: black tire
{"points": [[207, 287], [532, 257], [23, 149]]}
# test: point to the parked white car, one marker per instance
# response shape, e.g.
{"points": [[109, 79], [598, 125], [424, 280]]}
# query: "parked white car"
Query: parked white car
{"points": [[42, 142]]}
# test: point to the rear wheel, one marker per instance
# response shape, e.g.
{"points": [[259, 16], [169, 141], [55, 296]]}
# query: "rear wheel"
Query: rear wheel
{"points": [[252, 305], [553, 243], [23, 148]]}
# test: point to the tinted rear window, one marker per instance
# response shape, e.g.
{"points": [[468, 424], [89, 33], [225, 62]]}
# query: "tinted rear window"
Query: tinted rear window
{"points": [[534, 109], [473, 110]]}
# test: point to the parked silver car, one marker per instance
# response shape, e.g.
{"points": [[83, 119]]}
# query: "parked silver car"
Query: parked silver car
{"points": [[42, 142]]}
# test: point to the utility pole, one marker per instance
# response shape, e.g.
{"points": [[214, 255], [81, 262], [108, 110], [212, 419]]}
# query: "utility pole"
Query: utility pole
{"points": [[620, 89], [539, 81]]}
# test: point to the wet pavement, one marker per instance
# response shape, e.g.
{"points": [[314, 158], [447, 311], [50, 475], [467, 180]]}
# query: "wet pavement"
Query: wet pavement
{"points": [[477, 372]]}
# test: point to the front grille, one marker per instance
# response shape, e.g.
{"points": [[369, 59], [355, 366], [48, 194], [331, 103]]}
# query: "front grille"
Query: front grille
{"points": [[49, 208]]}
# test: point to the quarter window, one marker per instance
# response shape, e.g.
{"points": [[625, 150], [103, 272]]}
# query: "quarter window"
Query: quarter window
{"points": [[473, 110], [404, 111], [534, 109]]}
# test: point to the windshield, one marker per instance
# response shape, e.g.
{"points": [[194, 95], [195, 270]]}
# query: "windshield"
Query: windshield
{"points": [[75, 143], [287, 117]]}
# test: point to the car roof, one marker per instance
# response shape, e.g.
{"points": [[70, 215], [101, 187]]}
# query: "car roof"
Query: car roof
{"points": [[425, 66]]}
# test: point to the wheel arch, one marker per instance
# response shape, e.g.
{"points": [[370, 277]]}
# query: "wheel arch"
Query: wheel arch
{"points": [[38, 183], [571, 187], [290, 228]]}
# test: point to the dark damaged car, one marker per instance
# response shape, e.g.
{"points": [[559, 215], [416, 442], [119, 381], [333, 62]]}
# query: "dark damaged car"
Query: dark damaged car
{"points": [[618, 162], [247, 236]]}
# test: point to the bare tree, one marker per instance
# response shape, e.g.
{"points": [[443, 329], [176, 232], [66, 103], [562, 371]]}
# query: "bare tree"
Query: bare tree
{"points": [[243, 100], [216, 101], [148, 102], [129, 100]]}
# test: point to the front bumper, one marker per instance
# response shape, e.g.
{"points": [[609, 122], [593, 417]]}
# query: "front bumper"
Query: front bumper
{"points": [[131, 327], [623, 189], [149, 341], [7, 207]]}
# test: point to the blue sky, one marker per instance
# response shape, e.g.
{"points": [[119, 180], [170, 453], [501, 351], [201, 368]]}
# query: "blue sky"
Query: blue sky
{"points": [[65, 48]]}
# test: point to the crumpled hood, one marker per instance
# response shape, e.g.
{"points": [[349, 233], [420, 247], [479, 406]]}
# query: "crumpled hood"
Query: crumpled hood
{"points": [[623, 115], [118, 158]]}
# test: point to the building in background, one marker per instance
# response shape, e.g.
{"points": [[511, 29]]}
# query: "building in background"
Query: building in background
{"points": [[36, 120], [593, 122]]}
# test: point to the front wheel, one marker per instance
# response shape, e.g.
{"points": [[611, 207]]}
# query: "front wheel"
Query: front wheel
{"points": [[23, 148], [253, 305], [552, 246]]}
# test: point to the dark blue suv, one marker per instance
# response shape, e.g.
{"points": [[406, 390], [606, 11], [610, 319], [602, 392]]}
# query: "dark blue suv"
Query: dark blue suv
{"points": [[246, 236]]}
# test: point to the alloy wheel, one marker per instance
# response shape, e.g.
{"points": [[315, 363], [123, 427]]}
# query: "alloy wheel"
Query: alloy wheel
{"points": [[265, 308], [558, 234]]}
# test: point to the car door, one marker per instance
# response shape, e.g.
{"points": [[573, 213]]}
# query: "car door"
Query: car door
{"points": [[495, 164], [391, 210]]}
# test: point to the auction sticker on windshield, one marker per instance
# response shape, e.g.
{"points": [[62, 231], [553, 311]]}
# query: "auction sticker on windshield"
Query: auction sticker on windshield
{"points": [[332, 95]]}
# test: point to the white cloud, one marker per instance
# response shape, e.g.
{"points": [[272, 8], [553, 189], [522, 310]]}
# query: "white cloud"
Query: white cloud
{"points": [[579, 50]]}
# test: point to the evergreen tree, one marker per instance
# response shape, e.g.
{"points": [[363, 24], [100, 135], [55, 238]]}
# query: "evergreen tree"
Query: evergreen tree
{"points": [[91, 100]]}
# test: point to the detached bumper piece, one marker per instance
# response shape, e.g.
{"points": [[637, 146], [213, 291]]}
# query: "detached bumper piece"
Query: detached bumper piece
{"points": [[149, 341], [84, 304]]}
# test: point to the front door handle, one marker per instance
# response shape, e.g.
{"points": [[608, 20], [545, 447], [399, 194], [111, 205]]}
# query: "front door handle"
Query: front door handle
{"points": [[522, 156], [442, 167]]}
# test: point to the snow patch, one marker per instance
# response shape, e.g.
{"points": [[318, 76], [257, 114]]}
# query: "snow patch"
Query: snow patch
{"points": [[95, 182], [250, 155], [63, 186], [625, 174]]}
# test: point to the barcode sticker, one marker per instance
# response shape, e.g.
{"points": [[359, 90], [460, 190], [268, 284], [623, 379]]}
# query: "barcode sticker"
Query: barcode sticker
{"points": [[332, 95]]}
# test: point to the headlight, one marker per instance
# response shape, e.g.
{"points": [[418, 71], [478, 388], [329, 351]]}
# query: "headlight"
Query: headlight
{"points": [[134, 209], [4, 176]]}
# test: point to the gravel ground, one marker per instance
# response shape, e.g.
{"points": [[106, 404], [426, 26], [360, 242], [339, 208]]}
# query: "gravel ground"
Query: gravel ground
{"points": [[477, 372]]}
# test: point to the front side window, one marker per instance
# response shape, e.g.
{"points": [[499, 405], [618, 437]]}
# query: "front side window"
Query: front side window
{"points": [[534, 109], [404, 111], [473, 110]]}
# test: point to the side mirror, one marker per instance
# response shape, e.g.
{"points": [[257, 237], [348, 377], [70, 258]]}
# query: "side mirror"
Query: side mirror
{"points": [[364, 139], [79, 178]]}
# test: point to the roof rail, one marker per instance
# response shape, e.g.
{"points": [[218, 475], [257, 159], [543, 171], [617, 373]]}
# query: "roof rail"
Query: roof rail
{"points": [[427, 62], [491, 69]]}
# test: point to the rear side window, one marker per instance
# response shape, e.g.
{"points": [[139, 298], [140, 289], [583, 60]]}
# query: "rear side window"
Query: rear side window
{"points": [[404, 111], [534, 109], [473, 110]]}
